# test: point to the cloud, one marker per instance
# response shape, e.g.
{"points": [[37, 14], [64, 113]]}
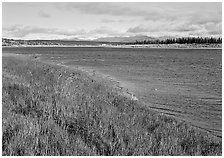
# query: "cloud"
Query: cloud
{"points": [[102, 32], [116, 20], [184, 27], [136, 18], [193, 12], [152, 26], [204, 29], [178, 29], [43, 14], [214, 28], [107, 21], [21, 31], [210, 16], [112, 9], [185, 18], [138, 29], [29, 32]]}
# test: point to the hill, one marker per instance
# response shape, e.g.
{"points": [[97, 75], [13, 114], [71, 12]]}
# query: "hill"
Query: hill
{"points": [[125, 39]]}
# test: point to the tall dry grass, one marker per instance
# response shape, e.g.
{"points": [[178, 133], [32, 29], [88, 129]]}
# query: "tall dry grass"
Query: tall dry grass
{"points": [[50, 110]]}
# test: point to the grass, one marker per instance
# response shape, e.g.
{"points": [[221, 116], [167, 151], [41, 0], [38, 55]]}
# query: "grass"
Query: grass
{"points": [[50, 110]]}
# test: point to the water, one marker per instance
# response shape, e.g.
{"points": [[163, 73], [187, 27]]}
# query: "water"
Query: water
{"points": [[183, 83]]}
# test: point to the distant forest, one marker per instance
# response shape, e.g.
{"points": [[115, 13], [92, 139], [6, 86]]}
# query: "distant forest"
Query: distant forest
{"points": [[183, 40]]}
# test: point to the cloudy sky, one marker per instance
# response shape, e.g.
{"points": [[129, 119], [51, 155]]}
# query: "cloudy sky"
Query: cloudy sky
{"points": [[94, 20]]}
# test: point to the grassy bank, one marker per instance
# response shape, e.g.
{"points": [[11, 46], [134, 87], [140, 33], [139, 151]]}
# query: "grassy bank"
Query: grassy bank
{"points": [[50, 110]]}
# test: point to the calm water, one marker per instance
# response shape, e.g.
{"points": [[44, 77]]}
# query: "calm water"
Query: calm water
{"points": [[184, 83]]}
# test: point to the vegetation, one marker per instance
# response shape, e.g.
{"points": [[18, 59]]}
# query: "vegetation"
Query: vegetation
{"points": [[183, 40], [20, 42], [50, 110]]}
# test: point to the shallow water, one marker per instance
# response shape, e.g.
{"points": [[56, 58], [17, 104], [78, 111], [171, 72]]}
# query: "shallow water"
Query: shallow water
{"points": [[183, 83]]}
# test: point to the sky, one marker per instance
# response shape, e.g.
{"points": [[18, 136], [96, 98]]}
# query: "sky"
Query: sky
{"points": [[92, 20]]}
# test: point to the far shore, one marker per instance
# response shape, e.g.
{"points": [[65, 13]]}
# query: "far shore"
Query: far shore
{"points": [[160, 46]]}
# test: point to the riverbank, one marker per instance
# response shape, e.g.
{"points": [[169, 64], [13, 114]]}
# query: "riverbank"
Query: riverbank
{"points": [[49, 109], [179, 46], [161, 46]]}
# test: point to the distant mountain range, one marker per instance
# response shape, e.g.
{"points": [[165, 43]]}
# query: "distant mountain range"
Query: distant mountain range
{"points": [[129, 39], [139, 39], [125, 39]]}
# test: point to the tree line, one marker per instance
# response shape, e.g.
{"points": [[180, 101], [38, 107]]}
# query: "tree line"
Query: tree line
{"points": [[183, 40]]}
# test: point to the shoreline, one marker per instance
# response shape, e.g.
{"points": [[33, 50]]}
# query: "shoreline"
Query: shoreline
{"points": [[106, 79], [125, 91], [141, 46], [80, 107]]}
